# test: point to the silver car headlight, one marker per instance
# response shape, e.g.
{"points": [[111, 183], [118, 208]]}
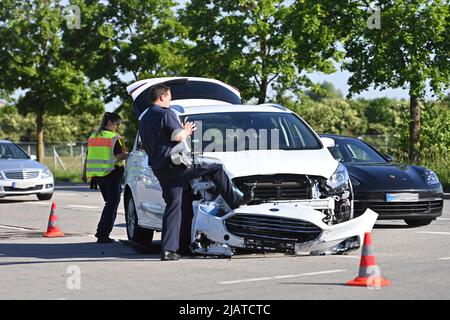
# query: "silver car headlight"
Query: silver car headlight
{"points": [[430, 177], [339, 178], [46, 173]]}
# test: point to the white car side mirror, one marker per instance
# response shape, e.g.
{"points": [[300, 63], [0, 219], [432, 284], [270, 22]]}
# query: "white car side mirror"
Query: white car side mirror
{"points": [[33, 157], [327, 142]]}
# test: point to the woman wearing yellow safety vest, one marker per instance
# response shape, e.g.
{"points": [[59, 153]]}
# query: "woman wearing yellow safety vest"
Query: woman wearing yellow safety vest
{"points": [[105, 166]]}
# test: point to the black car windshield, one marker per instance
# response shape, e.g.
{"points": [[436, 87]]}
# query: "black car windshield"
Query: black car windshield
{"points": [[238, 131], [355, 151], [11, 151]]}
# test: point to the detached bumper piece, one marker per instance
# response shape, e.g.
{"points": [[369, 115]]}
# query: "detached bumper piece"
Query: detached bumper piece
{"points": [[290, 228]]}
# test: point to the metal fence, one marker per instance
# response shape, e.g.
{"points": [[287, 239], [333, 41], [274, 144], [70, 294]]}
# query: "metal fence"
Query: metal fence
{"points": [[67, 156]]}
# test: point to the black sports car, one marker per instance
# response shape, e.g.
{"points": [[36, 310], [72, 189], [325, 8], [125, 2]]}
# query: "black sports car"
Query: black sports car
{"points": [[394, 191]]}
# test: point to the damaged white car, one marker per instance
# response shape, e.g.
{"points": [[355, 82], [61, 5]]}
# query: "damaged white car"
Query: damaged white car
{"points": [[303, 196]]}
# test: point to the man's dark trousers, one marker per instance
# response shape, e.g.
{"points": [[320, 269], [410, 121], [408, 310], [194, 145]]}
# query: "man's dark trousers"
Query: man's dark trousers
{"points": [[172, 181]]}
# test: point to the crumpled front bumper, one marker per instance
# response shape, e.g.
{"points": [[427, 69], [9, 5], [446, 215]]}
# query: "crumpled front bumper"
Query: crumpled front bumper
{"points": [[210, 235]]}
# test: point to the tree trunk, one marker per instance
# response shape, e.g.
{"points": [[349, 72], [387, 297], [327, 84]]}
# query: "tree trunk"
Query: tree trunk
{"points": [[40, 134], [414, 129], [262, 91]]}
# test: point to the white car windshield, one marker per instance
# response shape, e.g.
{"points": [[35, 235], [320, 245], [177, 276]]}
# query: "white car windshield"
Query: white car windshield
{"points": [[11, 151], [238, 131]]}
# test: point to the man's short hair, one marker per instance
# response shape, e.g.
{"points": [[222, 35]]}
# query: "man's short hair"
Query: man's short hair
{"points": [[157, 91]]}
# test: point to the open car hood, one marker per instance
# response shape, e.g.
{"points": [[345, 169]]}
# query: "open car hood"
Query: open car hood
{"points": [[183, 89]]}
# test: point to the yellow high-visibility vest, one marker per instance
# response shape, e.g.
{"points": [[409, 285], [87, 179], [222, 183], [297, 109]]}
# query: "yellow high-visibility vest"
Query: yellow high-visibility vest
{"points": [[100, 156]]}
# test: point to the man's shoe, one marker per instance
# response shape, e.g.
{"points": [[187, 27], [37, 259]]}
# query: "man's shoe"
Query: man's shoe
{"points": [[105, 240], [169, 255]]}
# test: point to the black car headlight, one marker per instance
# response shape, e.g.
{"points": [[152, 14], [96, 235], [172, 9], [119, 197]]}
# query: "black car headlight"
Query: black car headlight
{"points": [[339, 179], [430, 177]]}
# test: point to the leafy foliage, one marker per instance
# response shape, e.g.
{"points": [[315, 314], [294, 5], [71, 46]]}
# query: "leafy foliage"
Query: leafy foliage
{"points": [[255, 45], [410, 50]]}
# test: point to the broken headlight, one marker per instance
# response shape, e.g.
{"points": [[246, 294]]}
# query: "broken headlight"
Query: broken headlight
{"points": [[339, 178]]}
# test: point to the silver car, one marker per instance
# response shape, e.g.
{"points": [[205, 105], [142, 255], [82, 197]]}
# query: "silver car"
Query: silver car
{"points": [[21, 175]]}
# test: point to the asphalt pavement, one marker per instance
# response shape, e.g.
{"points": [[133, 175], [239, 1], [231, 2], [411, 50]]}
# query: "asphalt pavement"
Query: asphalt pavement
{"points": [[416, 260]]}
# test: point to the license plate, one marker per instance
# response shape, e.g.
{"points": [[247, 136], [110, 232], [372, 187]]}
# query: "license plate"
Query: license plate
{"points": [[402, 197], [270, 245], [23, 185]]}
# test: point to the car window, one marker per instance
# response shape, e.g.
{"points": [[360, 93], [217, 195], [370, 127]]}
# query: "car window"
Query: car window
{"points": [[358, 153], [336, 152], [354, 150], [237, 131], [11, 151]]}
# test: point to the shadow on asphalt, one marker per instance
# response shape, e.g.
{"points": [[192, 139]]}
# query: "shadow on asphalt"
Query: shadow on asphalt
{"points": [[5, 201], [393, 226], [67, 252], [120, 225], [316, 284], [73, 187]]}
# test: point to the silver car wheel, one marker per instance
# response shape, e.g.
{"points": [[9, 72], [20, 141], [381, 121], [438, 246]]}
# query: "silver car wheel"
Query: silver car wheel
{"points": [[131, 218]]}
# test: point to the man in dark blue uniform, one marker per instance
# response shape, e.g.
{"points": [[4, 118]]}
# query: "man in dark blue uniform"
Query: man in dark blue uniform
{"points": [[160, 130]]}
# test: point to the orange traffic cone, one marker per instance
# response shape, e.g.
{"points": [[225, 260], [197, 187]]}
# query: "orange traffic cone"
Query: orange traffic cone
{"points": [[52, 228], [369, 273]]}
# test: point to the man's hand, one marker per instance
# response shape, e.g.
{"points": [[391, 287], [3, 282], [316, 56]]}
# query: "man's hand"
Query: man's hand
{"points": [[181, 134], [189, 127]]}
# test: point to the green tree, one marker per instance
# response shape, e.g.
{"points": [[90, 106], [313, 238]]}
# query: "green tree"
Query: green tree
{"points": [[255, 45], [337, 116], [410, 49], [147, 43], [35, 57], [383, 115], [324, 90], [14, 126], [129, 40]]}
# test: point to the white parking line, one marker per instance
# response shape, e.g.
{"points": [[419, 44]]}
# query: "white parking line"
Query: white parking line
{"points": [[14, 228], [82, 207], [433, 232], [443, 219], [282, 277], [40, 203], [444, 259]]}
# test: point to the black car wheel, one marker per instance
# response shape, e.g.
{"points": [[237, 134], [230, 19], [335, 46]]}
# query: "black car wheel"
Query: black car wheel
{"points": [[44, 196], [135, 233], [418, 222]]}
